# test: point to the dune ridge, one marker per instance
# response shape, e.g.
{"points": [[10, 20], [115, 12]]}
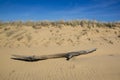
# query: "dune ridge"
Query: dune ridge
{"points": [[14, 35]]}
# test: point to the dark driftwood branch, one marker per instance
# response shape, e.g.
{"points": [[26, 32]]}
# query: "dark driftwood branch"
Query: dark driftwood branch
{"points": [[68, 56]]}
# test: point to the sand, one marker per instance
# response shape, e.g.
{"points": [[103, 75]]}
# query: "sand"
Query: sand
{"points": [[102, 64]]}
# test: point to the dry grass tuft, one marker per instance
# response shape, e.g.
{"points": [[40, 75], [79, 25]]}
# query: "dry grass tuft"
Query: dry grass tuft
{"points": [[61, 23]]}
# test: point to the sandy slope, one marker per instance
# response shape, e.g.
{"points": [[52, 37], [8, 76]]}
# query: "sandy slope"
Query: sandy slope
{"points": [[101, 65]]}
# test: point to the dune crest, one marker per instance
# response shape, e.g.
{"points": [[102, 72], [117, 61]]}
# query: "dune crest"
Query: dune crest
{"points": [[58, 34]]}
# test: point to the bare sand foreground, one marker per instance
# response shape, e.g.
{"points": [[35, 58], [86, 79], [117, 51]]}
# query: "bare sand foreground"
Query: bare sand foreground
{"points": [[104, 64]]}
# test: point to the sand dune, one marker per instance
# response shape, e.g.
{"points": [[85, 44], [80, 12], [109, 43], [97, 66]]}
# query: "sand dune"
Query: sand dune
{"points": [[100, 65], [27, 36]]}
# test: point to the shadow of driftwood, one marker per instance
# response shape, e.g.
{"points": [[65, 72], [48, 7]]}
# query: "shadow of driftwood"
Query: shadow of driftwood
{"points": [[28, 60]]}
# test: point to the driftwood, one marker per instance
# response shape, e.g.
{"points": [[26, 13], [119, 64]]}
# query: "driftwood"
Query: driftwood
{"points": [[68, 56]]}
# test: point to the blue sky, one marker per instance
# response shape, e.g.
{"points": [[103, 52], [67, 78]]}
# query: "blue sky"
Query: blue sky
{"points": [[101, 10]]}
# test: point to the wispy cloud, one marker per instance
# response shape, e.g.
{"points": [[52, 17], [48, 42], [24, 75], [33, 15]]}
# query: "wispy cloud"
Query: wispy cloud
{"points": [[98, 5], [98, 10]]}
